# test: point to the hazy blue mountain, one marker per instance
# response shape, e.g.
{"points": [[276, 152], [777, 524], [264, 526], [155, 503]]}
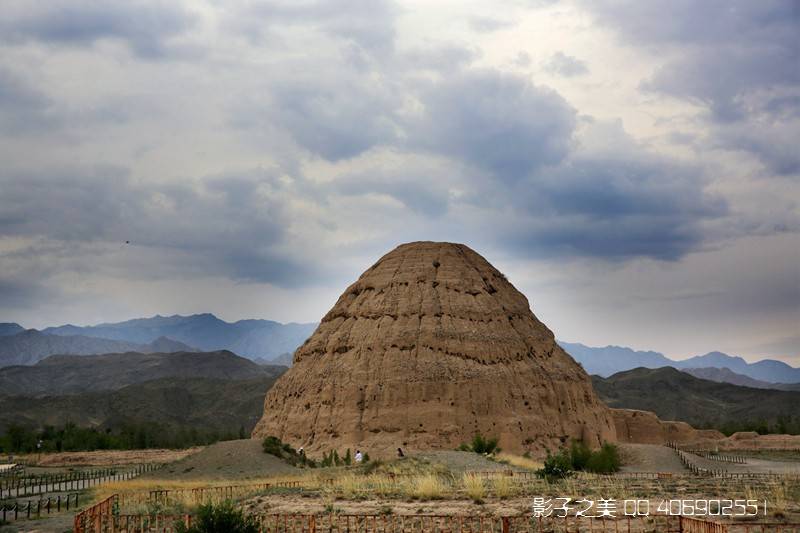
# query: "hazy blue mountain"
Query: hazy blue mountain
{"points": [[284, 359], [250, 338], [764, 370], [31, 346], [612, 359], [726, 375], [10, 328]]}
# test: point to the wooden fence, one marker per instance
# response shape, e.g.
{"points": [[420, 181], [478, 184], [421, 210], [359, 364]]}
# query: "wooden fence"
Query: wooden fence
{"points": [[36, 508], [715, 456], [391, 523], [42, 484]]}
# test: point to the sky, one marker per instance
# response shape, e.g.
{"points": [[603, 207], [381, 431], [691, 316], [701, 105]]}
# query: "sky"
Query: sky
{"points": [[632, 167]]}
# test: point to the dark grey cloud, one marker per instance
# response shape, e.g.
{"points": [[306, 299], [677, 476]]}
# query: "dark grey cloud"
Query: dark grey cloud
{"points": [[496, 121], [335, 119], [567, 66], [616, 207], [739, 59], [233, 225], [146, 26], [18, 294], [23, 108], [422, 188]]}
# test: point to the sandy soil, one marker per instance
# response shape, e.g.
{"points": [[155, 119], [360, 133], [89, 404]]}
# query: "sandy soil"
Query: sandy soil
{"points": [[650, 458], [55, 524], [107, 457], [656, 458], [235, 460]]}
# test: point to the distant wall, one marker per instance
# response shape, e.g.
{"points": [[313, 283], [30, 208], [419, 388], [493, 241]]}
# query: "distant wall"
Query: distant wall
{"points": [[644, 427]]}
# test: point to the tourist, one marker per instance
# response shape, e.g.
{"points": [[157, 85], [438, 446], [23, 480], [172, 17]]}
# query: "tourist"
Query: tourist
{"points": [[359, 457]]}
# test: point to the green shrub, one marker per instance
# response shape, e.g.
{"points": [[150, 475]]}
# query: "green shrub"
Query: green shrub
{"points": [[604, 461], [484, 445], [580, 457], [273, 446], [558, 466], [221, 518], [580, 454]]}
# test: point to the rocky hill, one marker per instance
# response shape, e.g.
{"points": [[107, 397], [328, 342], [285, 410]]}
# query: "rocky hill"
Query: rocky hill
{"points": [[430, 346], [202, 405], [249, 338], [31, 346], [676, 395], [77, 374]]}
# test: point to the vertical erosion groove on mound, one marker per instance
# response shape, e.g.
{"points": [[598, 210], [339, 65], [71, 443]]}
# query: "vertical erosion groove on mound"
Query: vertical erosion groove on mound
{"points": [[430, 346]]}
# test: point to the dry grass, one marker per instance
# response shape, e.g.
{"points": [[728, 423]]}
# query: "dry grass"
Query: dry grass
{"points": [[778, 499], [474, 487], [425, 487], [135, 493], [108, 457], [519, 461], [504, 487]]}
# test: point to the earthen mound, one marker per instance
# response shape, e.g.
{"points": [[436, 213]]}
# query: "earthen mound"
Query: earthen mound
{"points": [[430, 346]]}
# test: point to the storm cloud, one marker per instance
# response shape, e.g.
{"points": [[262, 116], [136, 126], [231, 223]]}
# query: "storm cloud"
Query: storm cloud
{"points": [[228, 149]]}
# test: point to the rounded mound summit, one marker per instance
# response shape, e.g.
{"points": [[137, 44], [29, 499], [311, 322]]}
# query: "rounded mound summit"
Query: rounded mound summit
{"points": [[430, 346]]}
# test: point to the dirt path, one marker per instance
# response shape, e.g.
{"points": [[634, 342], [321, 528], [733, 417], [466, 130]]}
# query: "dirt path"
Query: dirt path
{"points": [[54, 524], [650, 458], [106, 457]]}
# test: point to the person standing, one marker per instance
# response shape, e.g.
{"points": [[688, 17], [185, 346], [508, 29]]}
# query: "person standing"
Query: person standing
{"points": [[359, 457]]}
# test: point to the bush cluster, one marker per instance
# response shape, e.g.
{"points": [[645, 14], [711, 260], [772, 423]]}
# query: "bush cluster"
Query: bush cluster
{"points": [[481, 445], [274, 446], [579, 457], [220, 518]]}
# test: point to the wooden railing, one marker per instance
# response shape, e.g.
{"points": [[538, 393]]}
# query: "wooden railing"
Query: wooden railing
{"points": [[714, 456], [36, 508], [385, 523], [42, 484]]}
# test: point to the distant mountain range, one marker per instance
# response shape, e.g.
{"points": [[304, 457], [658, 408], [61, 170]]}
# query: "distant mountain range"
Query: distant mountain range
{"points": [[10, 328], [31, 346], [76, 374], [199, 392], [676, 395], [612, 359], [249, 338], [726, 375]]}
